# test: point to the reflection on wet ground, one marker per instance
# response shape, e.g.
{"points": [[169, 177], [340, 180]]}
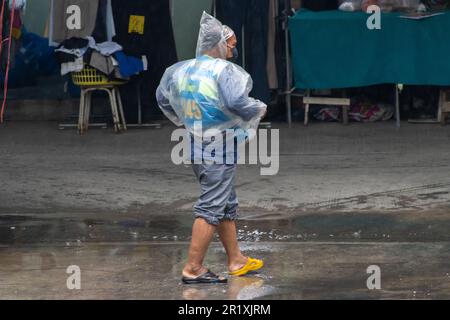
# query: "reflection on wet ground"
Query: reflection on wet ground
{"points": [[385, 227], [307, 257], [293, 271]]}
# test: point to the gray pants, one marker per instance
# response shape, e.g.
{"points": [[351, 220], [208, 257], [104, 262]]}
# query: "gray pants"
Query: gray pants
{"points": [[218, 200]]}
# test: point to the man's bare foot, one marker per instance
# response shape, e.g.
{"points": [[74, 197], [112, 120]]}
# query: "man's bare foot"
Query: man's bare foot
{"points": [[194, 272], [237, 264]]}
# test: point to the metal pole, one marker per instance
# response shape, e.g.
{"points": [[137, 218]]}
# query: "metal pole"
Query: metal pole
{"points": [[244, 62], [139, 102], [288, 64], [397, 105]]}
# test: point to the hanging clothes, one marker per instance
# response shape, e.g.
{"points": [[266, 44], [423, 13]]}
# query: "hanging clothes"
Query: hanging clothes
{"points": [[110, 24], [105, 29], [97, 20], [252, 15], [100, 33], [19, 9], [18, 4], [145, 28], [59, 16]]}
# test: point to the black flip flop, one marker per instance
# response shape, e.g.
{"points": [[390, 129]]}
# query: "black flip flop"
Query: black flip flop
{"points": [[206, 278]]}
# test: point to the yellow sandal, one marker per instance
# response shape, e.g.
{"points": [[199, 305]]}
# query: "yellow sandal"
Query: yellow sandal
{"points": [[251, 265]]}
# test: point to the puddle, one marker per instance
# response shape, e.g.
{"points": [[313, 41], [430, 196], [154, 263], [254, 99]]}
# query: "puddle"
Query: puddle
{"points": [[292, 271], [23, 229]]}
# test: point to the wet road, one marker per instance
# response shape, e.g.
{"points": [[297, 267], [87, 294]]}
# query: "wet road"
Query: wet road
{"points": [[293, 271], [345, 198], [307, 257], [323, 168]]}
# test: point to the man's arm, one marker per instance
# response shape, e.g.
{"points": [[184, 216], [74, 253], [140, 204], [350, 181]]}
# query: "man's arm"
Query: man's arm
{"points": [[163, 98], [234, 87], [164, 102]]}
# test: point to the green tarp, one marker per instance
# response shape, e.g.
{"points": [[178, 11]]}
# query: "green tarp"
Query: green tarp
{"points": [[334, 49]]}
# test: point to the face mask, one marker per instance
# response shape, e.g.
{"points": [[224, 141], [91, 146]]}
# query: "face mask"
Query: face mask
{"points": [[235, 55]]}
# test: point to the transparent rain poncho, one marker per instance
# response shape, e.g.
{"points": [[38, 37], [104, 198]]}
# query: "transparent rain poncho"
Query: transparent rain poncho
{"points": [[209, 90]]}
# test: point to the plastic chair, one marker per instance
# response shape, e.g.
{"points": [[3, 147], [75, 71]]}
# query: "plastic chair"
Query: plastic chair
{"points": [[444, 106], [90, 80]]}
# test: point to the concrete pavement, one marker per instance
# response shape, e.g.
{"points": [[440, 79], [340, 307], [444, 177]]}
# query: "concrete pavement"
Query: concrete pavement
{"points": [[345, 198], [326, 167], [293, 271]]}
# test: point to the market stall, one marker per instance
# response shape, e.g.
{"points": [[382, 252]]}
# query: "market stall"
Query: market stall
{"points": [[336, 49]]}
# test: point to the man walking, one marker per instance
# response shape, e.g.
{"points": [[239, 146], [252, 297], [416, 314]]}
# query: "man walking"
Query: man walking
{"points": [[211, 93]]}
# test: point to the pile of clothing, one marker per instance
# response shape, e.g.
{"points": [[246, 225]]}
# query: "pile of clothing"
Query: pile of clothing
{"points": [[32, 60], [437, 4], [91, 42], [385, 5], [359, 112], [371, 112], [327, 114], [107, 57]]}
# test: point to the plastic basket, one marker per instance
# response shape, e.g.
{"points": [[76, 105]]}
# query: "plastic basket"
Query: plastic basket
{"points": [[89, 77]]}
